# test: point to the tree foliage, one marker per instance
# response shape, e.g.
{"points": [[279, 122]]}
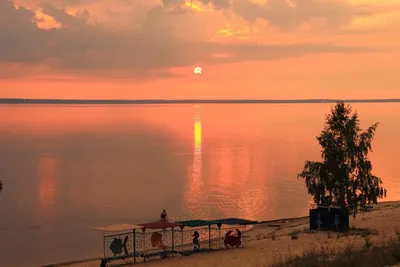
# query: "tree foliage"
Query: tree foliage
{"points": [[344, 176]]}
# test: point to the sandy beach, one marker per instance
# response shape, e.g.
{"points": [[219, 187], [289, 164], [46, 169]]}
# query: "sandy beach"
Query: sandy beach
{"points": [[270, 241]]}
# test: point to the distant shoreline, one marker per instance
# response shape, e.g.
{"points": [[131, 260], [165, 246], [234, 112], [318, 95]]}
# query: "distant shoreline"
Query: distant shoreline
{"points": [[189, 101]]}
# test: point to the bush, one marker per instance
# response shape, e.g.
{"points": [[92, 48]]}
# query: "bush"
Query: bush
{"points": [[381, 256], [294, 235]]}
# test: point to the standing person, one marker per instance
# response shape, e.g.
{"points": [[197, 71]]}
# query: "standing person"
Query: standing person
{"points": [[196, 244], [164, 216]]}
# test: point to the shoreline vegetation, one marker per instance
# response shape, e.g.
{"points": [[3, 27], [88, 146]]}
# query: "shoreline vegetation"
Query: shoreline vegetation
{"points": [[386, 254], [189, 101], [372, 241]]}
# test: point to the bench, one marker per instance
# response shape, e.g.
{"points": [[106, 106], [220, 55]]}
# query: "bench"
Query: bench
{"points": [[161, 254], [104, 261], [191, 252], [164, 254]]}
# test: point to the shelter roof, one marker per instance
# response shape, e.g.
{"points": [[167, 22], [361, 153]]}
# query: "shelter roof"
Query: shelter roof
{"points": [[117, 228], [158, 225], [196, 223], [235, 221]]}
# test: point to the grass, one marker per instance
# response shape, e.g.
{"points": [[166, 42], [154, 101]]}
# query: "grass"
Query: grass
{"points": [[368, 243], [273, 235], [294, 235], [387, 254], [329, 234], [397, 231], [363, 232]]}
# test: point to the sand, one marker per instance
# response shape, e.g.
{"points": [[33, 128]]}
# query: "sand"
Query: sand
{"points": [[269, 241]]}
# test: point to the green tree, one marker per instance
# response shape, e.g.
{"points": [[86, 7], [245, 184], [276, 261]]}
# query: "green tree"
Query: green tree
{"points": [[344, 177]]}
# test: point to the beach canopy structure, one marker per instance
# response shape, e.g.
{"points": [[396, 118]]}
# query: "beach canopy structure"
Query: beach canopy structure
{"points": [[227, 221], [158, 225], [161, 238], [196, 223], [235, 221], [118, 242], [117, 228]]}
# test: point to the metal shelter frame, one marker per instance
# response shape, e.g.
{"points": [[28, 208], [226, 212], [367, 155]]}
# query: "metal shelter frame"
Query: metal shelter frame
{"points": [[161, 238]]}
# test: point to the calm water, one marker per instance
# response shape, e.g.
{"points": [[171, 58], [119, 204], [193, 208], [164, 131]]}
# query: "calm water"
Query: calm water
{"points": [[68, 169]]}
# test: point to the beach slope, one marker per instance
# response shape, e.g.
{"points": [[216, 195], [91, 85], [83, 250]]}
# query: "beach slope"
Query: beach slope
{"points": [[271, 241]]}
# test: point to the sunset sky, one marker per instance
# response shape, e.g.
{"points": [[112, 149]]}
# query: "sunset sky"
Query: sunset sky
{"points": [[135, 49]]}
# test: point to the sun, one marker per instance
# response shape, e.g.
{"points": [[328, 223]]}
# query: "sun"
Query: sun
{"points": [[198, 70]]}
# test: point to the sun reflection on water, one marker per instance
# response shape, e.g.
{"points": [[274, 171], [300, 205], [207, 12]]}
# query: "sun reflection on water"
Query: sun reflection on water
{"points": [[192, 196], [47, 176]]}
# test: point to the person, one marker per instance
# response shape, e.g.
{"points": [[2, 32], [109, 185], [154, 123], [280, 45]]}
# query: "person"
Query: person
{"points": [[196, 244], [164, 216]]}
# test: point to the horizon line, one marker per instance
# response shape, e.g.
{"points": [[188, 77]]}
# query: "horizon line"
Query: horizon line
{"points": [[190, 101]]}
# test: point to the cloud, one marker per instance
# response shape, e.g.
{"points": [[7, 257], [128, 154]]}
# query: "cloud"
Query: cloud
{"points": [[328, 15], [216, 3], [163, 41]]}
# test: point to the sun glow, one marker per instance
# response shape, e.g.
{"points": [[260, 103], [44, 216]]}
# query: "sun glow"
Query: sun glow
{"points": [[198, 70], [196, 6]]}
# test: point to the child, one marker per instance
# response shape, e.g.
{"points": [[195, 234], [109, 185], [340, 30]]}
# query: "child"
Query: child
{"points": [[196, 237]]}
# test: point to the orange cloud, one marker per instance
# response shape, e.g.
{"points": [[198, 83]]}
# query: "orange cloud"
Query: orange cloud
{"points": [[45, 21]]}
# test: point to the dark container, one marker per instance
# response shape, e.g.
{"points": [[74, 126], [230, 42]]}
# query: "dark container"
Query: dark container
{"points": [[324, 218]]}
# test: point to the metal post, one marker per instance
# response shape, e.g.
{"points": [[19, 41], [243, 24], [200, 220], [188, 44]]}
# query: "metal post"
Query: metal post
{"points": [[172, 241], [182, 236], [219, 235], [209, 237], [144, 244], [243, 234], [134, 245], [104, 246]]}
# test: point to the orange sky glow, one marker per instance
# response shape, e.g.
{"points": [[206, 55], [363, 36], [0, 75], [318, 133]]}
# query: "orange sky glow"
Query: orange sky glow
{"points": [[145, 49]]}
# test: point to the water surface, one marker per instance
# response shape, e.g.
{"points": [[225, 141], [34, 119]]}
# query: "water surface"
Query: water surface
{"points": [[67, 169]]}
